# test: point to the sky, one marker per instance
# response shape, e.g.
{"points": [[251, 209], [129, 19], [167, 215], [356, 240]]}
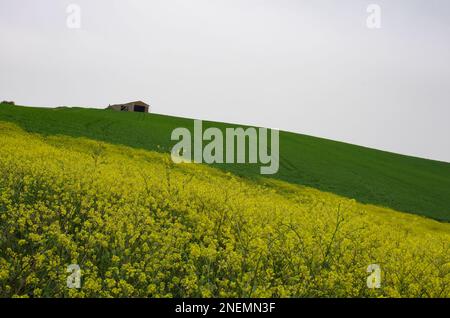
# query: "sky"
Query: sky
{"points": [[311, 67]]}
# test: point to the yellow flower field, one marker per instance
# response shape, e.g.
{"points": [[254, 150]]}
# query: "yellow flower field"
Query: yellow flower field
{"points": [[140, 226]]}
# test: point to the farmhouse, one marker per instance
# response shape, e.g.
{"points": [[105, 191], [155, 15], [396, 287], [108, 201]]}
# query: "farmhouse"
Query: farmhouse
{"points": [[137, 106]]}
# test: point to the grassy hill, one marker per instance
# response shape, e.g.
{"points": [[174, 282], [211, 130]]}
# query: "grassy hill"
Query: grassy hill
{"points": [[138, 225], [400, 182]]}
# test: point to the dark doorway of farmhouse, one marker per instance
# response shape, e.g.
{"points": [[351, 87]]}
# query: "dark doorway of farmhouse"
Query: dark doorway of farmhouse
{"points": [[140, 109]]}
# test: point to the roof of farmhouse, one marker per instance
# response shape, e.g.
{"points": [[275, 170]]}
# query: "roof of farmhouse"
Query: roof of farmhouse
{"points": [[135, 102]]}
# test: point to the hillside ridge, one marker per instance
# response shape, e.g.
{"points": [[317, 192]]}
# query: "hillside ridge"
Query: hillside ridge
{"points": [[404, 183]]}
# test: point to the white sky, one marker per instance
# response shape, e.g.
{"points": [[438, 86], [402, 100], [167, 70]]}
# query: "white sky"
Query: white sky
{"points": [[311, 67]]}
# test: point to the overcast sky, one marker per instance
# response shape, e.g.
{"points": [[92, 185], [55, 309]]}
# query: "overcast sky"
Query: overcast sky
{"points": [[312, 67]]}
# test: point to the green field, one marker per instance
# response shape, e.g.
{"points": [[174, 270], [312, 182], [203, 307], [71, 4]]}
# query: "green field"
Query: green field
{"points": [[400, 182]]}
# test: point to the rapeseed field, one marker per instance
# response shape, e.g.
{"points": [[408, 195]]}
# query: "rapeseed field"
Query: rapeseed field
{"points": [[140, 226]]}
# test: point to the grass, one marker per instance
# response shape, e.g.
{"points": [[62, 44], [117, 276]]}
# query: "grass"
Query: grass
{"points": [[371, 176]]}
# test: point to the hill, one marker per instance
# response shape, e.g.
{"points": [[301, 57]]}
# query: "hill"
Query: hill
{"points": [[137, 225], [400, 182]]}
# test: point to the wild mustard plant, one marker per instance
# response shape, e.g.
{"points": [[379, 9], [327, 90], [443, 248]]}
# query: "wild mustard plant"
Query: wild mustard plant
{"points": [[140, 226]]}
